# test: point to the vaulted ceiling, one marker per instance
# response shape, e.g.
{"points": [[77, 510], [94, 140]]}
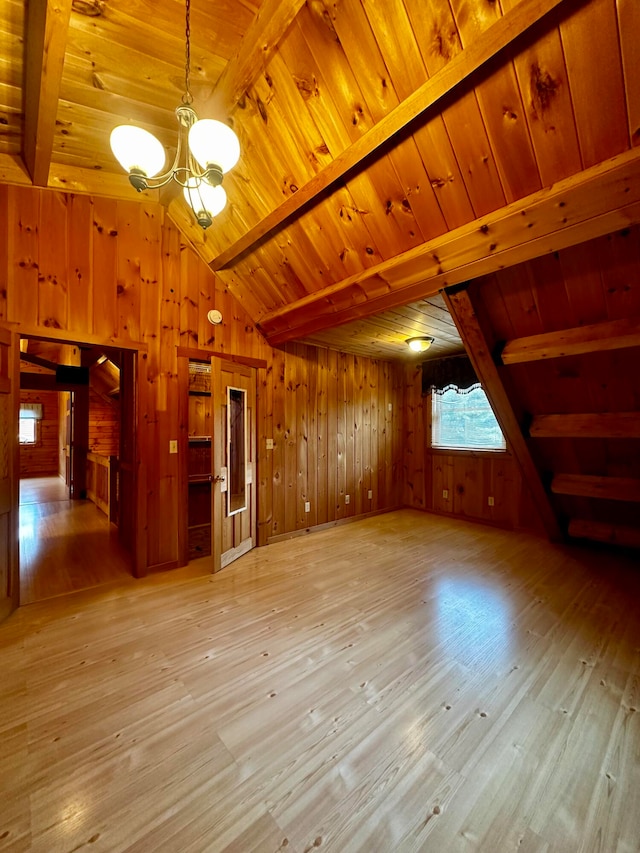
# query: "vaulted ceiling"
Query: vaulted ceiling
{"points": [[389, 147]]}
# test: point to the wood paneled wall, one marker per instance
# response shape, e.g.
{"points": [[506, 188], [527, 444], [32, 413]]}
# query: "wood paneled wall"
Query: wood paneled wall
{"points": [[336, 424], [41, 460], [104, 426], [117, 271], [93, 268], [469, 478]]}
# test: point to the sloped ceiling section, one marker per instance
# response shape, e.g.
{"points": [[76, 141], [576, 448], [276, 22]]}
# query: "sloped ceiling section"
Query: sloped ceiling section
{"points": [[389, 147]]}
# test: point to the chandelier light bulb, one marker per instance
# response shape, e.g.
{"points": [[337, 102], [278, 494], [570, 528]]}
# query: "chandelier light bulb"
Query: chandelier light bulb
{"points": [[137, 150], [205, 201], [213, 143]]}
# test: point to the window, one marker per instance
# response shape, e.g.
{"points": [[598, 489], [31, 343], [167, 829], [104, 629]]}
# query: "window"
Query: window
{"points": [[464, 420], [30, 417], [28, 431]]}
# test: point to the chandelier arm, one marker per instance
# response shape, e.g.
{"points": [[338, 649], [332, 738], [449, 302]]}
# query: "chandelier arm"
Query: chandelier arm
{"points": [[166, 176], [158, 181]]}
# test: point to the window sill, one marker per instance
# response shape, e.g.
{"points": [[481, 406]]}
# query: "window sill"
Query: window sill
{"points": [[457, 451]]}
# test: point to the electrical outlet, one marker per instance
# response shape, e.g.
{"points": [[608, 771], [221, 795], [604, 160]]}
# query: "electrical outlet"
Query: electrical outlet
{"points": [[173, 446], [491, 502], [390, 407], [370, 494], [445, 494], [347, 499], [307, 506], [269, 444]]}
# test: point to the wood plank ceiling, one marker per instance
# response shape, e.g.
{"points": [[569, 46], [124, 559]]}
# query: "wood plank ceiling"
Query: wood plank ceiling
{"points": [[389, 147]]}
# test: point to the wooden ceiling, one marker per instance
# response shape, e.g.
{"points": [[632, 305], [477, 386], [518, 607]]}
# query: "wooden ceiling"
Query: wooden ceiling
{"points": [[389, 147]]}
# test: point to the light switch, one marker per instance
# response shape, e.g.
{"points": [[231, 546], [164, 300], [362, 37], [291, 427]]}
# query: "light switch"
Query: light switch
{"points": [[173, 446], [269, 444]]}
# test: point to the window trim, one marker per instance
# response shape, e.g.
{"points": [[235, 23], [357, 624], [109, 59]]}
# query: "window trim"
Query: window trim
{"points": [[462, 451]]}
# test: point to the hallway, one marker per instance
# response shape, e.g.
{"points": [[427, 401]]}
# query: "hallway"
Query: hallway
{"points": [[65, 545]]}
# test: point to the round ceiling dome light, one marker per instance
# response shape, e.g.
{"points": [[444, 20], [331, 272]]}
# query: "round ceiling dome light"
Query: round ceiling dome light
{"points": [[421, 344]]}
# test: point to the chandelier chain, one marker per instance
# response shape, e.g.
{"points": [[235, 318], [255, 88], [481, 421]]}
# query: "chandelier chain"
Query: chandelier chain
{"points": [[187, 98]]}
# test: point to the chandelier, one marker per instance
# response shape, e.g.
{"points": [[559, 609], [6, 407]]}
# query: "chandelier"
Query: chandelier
{"points": [[206, 150]]}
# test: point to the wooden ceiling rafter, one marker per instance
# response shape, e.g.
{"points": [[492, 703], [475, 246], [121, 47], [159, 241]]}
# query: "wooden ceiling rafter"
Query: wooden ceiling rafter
{"points": [[480, 350], [597, 337], [597, 201], [29, 358], [484, 48], [46, 29]]}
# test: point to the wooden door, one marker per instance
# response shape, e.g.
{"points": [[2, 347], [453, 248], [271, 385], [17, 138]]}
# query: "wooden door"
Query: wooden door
{"points": [[9, 476], [234, 432]]}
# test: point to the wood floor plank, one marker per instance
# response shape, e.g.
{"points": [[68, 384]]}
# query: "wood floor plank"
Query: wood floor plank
{"points": [[404, 683], [65, 545]]}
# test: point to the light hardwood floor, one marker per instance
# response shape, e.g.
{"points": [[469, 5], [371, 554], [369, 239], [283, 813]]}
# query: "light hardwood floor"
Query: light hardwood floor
{"points": [[404, 683], [65, 545]]}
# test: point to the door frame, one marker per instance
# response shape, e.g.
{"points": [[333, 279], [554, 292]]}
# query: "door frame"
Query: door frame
{"points": [[138, 550], [10, 599]]}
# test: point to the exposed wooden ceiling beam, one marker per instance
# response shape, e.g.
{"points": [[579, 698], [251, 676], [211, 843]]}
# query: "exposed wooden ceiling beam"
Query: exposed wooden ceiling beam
{"points": [[485, 47], [588, 486], [75, 180], [39, 362], [613, 534], [45, 382], [259, 42], [459, 303], [599, 337], [597, 201], [600, 425], [47, 25]]}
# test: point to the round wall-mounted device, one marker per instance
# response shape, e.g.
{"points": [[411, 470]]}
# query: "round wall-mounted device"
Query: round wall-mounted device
{"points": [[214, 317]]}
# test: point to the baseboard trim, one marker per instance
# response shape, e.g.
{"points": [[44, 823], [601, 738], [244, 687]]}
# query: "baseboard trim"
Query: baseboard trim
{"points": [[282, 537], [163, 567]]}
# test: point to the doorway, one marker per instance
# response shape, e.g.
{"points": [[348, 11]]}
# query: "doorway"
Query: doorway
{"points": [[218, 445], [77, 484]]}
